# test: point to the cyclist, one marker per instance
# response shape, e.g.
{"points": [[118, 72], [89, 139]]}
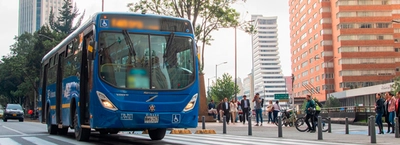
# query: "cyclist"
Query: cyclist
{"points": [[310, 111], [318, 107]]}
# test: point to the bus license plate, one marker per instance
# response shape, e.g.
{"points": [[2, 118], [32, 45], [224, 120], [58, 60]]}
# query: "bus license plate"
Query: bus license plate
{"points": [[14, 114], [151, 119]]}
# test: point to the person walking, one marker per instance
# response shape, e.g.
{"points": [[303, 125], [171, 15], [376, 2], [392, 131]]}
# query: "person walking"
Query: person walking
{"points": [[276, 109], [379, 110], [233, 110], [269, 110], [225, 109], [391, 109], [258, 101], [245, 104]]}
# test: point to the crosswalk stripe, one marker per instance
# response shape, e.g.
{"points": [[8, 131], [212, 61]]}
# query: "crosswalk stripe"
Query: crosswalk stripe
{"points": [[38, 141], [8, 141], [68, 140], [165, 139], [232, 139], [281, 140]]}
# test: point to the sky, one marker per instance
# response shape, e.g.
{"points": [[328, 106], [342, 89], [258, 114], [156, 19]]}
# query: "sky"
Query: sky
{"points": [[221, 49]]}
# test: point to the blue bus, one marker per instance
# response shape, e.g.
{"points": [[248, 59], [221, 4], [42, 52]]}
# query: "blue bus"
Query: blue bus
{"points": [[121, 72]]}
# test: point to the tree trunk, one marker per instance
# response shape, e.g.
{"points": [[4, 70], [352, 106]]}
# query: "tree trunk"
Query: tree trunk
{"points": [[203, 108]]}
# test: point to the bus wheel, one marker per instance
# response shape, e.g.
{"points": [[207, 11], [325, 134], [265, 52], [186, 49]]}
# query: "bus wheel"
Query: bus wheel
{"points": [[51, 129], [157, 134], [81, 134], [114, 132]]}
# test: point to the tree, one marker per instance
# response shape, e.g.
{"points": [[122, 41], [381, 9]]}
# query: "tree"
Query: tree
{"points": [[396, 85], [224, 87], [332, 102], [206, 15], [64, 21]]}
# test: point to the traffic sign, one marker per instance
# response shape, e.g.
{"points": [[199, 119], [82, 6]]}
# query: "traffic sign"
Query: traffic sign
{"points": [[281, 96]]}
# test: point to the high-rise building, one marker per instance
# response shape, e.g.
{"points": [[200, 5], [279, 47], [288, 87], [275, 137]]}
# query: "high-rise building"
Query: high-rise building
{"points": [[35, 13], [268, 77], [343, 44]]}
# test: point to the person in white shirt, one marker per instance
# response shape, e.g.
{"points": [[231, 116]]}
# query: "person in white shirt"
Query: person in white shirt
{"points": [[276, 109]]}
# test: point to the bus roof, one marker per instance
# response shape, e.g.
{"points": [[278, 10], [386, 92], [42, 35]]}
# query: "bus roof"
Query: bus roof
{"points": [[92, 20]]}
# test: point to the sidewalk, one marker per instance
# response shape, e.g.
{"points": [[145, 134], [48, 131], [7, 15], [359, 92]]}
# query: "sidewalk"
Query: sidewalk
{"points": [[357, 134]]}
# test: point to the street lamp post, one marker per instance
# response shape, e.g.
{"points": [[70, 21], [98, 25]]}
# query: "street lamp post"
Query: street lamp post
{"points": [[208, 86], [216, 69], [102, 5], [52, 39]]}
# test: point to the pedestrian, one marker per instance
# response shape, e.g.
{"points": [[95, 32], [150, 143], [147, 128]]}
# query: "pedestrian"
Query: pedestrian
{"points": [[276, 109], [310, 110], [225, 109], [397, 106], [318, 107], [211, 109], [233, 110], [386, 113], [219, 110], [258, 101], [391, 110], [269, 110], [379, 109], [245, 104]]}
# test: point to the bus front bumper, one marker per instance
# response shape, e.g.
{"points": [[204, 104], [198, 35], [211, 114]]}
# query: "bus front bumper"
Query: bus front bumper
{"points": [[140, 120]]}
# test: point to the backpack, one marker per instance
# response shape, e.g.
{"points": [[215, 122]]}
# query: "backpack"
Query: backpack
{"points": [[262, 102], [317, 107]]}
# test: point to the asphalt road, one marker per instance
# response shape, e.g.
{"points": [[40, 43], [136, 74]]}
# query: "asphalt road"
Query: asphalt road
{"points": [[34, 133]]}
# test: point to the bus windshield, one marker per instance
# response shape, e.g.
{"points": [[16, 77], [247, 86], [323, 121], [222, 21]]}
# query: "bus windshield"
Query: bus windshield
{"points": [[147, 61]]}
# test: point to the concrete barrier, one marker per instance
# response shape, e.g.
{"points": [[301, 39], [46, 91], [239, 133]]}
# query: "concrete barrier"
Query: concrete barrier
{"points": [[180, 131], [205, 131]]}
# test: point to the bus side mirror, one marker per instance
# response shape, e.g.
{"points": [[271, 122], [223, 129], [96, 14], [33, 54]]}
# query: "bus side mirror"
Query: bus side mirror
{"points": [[90, 50]]}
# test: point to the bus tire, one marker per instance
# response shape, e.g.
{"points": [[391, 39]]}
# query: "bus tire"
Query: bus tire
{"points": [[51, 129], [81, 134], [157, 134]]}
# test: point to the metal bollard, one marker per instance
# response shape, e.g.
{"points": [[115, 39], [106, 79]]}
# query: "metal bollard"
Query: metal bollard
{"points": [[396, 121], [329, 125], [203, 122], [347, 125], [279, 126], [250, 129], [369, 126], [224, 125], [319, 128], [373, 133]]}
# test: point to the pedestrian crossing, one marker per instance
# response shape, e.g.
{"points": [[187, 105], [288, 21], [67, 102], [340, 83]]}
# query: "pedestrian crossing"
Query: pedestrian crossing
{"points": [[183, 139]]}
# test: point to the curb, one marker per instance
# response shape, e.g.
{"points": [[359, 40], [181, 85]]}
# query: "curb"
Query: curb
{"points": [[180, 131], [205, 131]]}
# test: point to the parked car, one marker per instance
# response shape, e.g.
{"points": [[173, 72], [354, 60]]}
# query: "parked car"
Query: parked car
{"points": [[13, 111]]}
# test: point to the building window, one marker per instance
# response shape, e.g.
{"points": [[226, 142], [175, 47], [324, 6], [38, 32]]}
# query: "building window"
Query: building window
{"points": [[366, 25]]}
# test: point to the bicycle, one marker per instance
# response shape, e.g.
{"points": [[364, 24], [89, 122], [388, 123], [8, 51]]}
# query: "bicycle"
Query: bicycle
{"points": [[287, 117], [302, 126]]}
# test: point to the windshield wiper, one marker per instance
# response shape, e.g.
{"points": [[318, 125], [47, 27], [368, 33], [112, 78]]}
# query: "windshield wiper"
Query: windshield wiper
{"points": [[168, 46], [130, 44]]}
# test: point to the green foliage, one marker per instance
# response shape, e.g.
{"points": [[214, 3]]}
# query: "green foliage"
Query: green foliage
{"points": [[206, 15], [396, 85], [224, 87], [20, 70], [332, 102], [64, 21]]}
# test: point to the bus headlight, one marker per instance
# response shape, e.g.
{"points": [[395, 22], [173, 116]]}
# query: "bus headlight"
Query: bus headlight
{"points": [[106, 102], [191, 103]]}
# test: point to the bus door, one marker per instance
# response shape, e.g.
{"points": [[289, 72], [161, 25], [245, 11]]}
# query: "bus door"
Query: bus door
{"points": [[43, 93], [60, 62]]}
